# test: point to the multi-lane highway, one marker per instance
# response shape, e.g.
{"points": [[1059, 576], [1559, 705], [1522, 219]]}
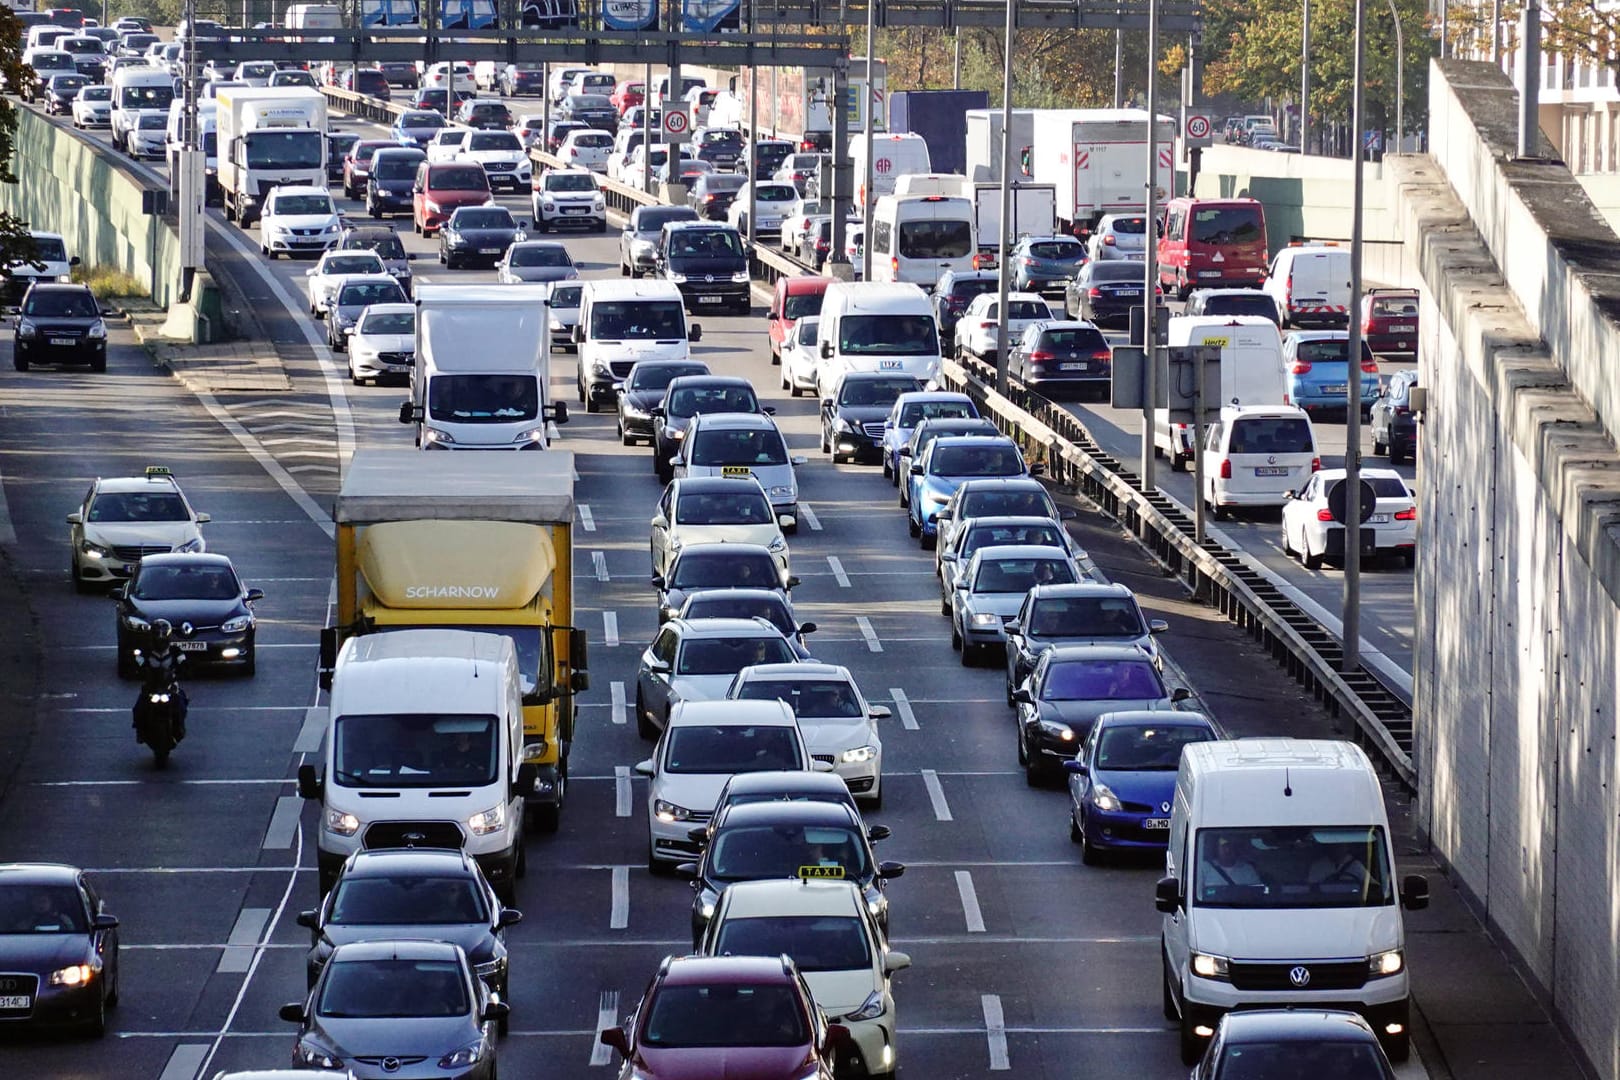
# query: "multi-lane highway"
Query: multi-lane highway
{"points": [[1024, 959]]}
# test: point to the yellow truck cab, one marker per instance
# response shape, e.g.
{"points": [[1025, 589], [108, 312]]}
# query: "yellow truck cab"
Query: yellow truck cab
{"points": [[471, 542]]}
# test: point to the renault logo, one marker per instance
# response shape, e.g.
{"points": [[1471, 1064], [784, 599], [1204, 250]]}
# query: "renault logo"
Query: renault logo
{"points": [[1300, 976], [1164, 806], [390, 1064]]}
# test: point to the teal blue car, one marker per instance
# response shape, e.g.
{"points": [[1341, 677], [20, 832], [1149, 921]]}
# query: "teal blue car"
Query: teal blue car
{"points": [[944, 466]]}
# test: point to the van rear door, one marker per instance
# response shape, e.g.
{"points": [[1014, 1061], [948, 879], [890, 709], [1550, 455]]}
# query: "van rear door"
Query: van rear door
{"points": [[1270, 454]]}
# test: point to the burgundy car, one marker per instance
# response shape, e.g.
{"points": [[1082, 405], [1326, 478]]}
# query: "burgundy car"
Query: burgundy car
{"points": [[747, 1017]]}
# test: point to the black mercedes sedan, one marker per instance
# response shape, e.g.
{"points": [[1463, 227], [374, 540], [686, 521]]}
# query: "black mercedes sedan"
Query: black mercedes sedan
{"points": [[478, 234], [58, 949], [207, 605], [853, 418], [643, 389]]}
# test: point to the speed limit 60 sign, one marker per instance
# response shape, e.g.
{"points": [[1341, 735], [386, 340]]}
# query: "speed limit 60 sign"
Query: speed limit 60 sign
{"points": [[1197, 130], [677, 122]]}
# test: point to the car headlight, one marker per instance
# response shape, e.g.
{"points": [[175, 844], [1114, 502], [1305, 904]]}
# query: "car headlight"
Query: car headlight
{"points": [[1384, 964], [843, 427], [641, 247], [740, 276], [94, 551], [193, 545], [858, 755], [489, 821], [780, 491], [431, 206], [870, 1009], [986, 619], [236, 625], [602, 368], [777, 545], [316, 1056], [598, 203], [72, 975], [98, 331], [433, 436], [1103, 798], [676, 433], [1206, 966], [342, 823], [936, 497], [329, 229], [548, 203], [632, 409], [470, 1054], [26, 329], [706, 909], [668, 812], [1057, 730], [677, 278], [531, 435], [136, 623]]}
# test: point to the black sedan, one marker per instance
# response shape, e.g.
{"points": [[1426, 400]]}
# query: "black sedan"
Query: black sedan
{"points": [[200, 595], [478, 234], [642, 391], [59, 323], [381, 1003], [718, 565], [58, 949], [853, 419], [1106, 291], [60, 91], [432, 893]]}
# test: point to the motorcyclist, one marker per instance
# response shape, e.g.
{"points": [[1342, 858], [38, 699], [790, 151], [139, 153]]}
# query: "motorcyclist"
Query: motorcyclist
{"points": [[160, 664]]}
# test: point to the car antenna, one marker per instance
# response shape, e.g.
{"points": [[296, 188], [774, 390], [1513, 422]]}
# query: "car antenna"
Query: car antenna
{"points": [[1288, 784]]}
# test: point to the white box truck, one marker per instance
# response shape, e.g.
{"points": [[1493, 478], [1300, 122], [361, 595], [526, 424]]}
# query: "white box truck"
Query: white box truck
{"points": [[984, 142], [268, 137], [423, 748], [1097, 161], [481, 380], [1251, 371]]}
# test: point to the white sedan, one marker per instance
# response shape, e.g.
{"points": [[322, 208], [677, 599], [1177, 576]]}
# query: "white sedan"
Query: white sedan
{"points": [[587, 148], [838, 725], [773, 201], [437, 75], [711, 509], [92, 107], [383, 344], [799, 360], [1309, 531], [976, 330], [324, 275]]}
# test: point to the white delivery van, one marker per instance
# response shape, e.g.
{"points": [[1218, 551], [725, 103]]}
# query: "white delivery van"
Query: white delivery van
{"points": [[423, 748], [1252, 371], [893, 156], [916, 238], [876, 326], [933, 183], [621, 322], [1254, 455], [1280, 889], [1311, 285]]}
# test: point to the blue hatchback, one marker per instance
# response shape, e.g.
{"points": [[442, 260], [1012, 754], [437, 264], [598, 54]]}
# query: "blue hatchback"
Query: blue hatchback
{"points": [[944, 466], [416, 127], [1123, 780], [1317, 373]]}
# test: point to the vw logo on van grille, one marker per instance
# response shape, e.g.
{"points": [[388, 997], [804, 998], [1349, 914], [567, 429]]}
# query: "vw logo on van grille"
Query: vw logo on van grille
{"points": [[1300, 976], [1271, 459]]}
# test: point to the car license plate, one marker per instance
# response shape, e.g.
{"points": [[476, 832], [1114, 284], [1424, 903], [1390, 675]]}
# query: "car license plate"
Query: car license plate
{"points": [[1074, 367], [888, 365], [1271, 470], [710, 299], [1156, 823], [1403, 329], [64, 341], [1128, 292], [16, 1001], [191, 646], [1336, 388], [489, 251], [573, 209], [1379, 519], [736, 470], [1209, 273]]}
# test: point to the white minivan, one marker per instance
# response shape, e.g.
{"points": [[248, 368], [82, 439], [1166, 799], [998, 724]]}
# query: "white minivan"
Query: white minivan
{"points": [[1254, 455], [916, 238], [893, 156], [1252, 371], [875, 326], [1311, 285], [1280, 889], [621, 322], [423, 747]]}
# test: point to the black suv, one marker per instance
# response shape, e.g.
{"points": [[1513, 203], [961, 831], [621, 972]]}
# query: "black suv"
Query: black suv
{"points": [[708, 263], [954, 291], [1394, 426], [59, 324], [1059, 354], [852, 421], [388, 187], [721, 147]]}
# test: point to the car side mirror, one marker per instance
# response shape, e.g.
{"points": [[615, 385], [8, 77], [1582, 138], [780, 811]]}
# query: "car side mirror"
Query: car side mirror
{"points": [[309, 782], [798, 459], [74, 261], [895, 961], [1167, 895], [689, 870], [522, 223], [118, 592], [508, 917], [308, 920], [292, 1012], [1075, 765], [792, 582], [615, 1037], [104, 921], [408, 413], [1290, 494], [826, 350], [644, 767], [75, 518], [807, 628], [659, 521], [890, 870], [878, 712], [916, 470], [1157, 626], [817, 765], [253, 594], [874, 833], [828, 403], [1180, 693], [1037, 469], [1415, 892], [1023, 697], [527, 774], [658, 582], [311, 272], [497, 1010]]}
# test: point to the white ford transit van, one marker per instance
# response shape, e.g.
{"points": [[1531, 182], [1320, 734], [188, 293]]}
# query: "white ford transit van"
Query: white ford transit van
{"points": [[916, 238], [1280, 889], [423, 748], [1252, 371], [1311, 285], [876, 326]]}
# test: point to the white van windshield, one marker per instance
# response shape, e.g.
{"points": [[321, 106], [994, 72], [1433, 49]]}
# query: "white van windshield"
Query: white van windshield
{"points": [[1292, 867], [415, 750], [637, 320], [887, 335]]}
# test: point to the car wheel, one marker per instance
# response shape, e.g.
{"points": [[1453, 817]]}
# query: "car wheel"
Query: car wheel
{"points": [[1219, 512], [96, 1026], [250, 667], [591, 404], [1192, 1046], [79, 584], [1074, 828], [1169, 999], [956, 637], [1380, 447], [1090, 854], [1398, 1047], [1034, 775], [912, 527], [353, 378], [1409, 558], [970, 654], [1398, 453], [19, 361], [945, 610], [644, 725], [1178, 463], [1310, 561], [1288, 549], [888, 473], [655, 867], [126, 661]]}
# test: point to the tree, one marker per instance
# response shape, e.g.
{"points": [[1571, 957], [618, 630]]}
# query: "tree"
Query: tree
{"points": [[1584, 30], [16, 243]]}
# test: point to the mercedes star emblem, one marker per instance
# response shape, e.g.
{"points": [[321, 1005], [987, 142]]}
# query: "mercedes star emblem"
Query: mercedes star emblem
{"points": [[1300, 976]]}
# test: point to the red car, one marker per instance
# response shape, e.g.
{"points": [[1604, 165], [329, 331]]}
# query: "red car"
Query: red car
{"points": [[357, 165], [741, 1016], [442, 188], [629, 93], [1389, 320], [795, 297]]}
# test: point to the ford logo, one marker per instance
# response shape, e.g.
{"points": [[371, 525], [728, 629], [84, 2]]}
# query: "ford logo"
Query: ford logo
{"points": [[415, 837], [1300, 976]]}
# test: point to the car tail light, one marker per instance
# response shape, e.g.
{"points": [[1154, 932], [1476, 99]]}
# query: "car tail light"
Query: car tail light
{"points": [[822, 245], [1108, 240], [1041, 356], [1105, 355], [1094, 292], [894, 266], [1369, 367], [1409, 514], [1316, 464], [985, 325], [1029, 262], [1300, 367], [708, 198], [1324, 515], [1402, 410], [1226, 468]]}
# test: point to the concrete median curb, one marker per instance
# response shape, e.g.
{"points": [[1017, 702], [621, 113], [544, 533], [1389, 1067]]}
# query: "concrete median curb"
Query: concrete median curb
{"points": [[221, 367]]}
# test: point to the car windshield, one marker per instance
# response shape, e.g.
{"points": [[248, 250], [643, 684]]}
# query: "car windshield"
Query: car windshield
{"points": [[806, 330], [459, 178], [195, 582], [285, 150], [988, 459], [483, 399], [685, 401], [1101, 680], [727, 656], [1228, 225], [421, 120], [97, 93], [1292, 867], [1002, 535], [1330, 350], [1292, 1059], [887, 335], [1028, 309], [1020, 575], [912, 412], [570, 181], [389, 322], [1395, 305], [364, 293], [41, 909], [1124, 270], [1146, 748], [879, 392], [301, 204], [815, 942], [725, 1015], [1063, 250], [495, 140], [567, 296], [752, 853], [594, 140], [658, 376], [122, 506], [710, 243], [819, 698], [929, 430], [638, 320], [775, 193], [728, 749], [396, 166], [723, 508], [747, 446], [373, 989], [387, 245], [1003, 502], [367, 263], [67, 304], [725, 570], [400, 750], [153, 123], [1086, 616], [1272, 435], [770, 607], [400, 900], [539, 254], [1241, 304], [1074, 339], [936, 239], [1129, 226], [484, 217], [800, 305]]}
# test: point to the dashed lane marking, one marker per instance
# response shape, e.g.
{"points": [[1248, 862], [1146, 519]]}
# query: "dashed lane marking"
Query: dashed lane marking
{"points": [[970, 902], [309, 736], [619, 910], [902, 705], [610, 628], [809, 516], [621, 791], [283, 823], [995, 1031], [184, 1061], [872, 642], [607, 1015], [238, 954], [616, 689], [586, 520], [599, 562], [936, 795], [838, 571]]}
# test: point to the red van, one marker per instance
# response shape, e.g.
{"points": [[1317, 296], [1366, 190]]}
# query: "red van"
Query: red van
{"points": [[795, 297], [442, 188], [1212, 242]]}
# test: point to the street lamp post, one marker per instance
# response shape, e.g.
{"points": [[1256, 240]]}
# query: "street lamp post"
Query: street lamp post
{"points": [[866, 181], [1004, 270], [1352, 412], [1305, 81], [1400, 78]]}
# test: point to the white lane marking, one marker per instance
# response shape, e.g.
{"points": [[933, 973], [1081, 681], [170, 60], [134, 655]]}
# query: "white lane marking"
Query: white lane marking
{"points": [[617, 690], [838, 571], [619, 913], [238, 954], [283, 823], [809, 516], [282, 476], [621, 791], [599, 561], [185, 1060], [970, 902], [902, 705], [995, 1032], [610, 628], [872, 642], [309, 736], [8, 534], [607, 1015], [586, 520], [936, 795]]}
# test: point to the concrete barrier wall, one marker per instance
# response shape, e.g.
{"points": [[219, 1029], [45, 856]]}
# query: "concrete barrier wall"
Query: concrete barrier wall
{"points": [[70, 185], [1304, 195], [1518, 579]]}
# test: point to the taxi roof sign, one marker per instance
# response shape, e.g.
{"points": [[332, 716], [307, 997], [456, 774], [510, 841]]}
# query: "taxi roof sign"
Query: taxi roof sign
{"points": [[159, 470], [806, 873]]}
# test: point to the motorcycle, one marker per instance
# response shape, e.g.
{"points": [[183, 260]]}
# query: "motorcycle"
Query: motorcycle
{"points": [[160, 710]]}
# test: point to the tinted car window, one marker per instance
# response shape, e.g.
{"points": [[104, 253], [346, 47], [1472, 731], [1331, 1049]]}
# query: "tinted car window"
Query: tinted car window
{"points": [[1101, 680], [395, 901], [731, 749], [714, 570], [459, 178], [1326, 350], [383, 988], [1146, 749], [41, 909], [66, 304], [816, 942], [990, 460], [1227, 225], [1057, 249], [726, 1014], [658, 376], [1126, 270], [185, 583], [1271, 435], [723, 508], [749, 853], [936, 239], [874, 391], [1086, 616], [1075, 338]]}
